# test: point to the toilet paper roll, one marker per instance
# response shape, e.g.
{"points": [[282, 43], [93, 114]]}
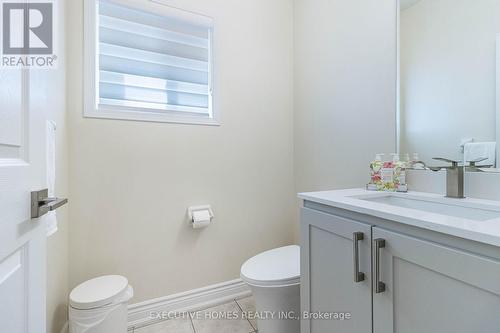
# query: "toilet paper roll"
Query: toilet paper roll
{"points": [[201, 219]]}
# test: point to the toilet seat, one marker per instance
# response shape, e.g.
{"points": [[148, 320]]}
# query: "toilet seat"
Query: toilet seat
{"points": [[274, 268]]}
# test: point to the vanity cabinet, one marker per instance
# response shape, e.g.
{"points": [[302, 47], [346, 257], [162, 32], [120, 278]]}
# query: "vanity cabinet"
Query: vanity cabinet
{"points": [[328, 273], [424, 286], [434, 288]]}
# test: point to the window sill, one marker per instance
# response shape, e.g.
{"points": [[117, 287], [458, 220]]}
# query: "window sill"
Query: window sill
{"points": [[150, 117]]}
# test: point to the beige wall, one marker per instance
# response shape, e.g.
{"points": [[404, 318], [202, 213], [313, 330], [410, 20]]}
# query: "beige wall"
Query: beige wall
{"points": [[57, 244], [345, 89], [131, 182], [448, 73]]}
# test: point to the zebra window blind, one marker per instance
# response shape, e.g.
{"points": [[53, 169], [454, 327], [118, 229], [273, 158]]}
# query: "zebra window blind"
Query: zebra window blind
{"points": [[153, 62]]}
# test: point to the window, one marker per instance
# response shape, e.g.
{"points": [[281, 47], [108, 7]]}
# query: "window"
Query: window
{"points": [[147, 61]]}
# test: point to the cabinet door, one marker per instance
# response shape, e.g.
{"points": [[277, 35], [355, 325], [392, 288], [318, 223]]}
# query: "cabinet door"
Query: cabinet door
{"points": [[328, 273], [434, 288]]}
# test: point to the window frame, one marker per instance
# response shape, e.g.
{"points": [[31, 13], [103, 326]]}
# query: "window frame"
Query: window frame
{"points": [[92, 108]]}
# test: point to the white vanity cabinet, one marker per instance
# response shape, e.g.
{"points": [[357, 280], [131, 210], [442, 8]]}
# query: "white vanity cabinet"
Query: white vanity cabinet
{"points": [[425, 286]]}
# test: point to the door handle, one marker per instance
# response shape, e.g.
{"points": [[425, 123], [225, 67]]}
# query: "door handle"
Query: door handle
{"points": [[358, 276], [379, 285], [41, 204]]}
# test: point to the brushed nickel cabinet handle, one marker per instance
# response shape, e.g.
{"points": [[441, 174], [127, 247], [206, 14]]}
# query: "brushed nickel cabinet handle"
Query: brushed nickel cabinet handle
{"points": [[379, 285], [358, 276]]}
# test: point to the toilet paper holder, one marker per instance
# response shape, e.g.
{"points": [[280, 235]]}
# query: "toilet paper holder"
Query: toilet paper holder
{"points": [[193, 209]]}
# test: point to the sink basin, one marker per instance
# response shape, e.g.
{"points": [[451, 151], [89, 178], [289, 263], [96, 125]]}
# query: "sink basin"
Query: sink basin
{"points": [[449, 207]]}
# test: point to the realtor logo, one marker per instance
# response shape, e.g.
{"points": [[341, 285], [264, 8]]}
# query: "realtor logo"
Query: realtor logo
{"points": [[28, 34], [27, 28]]}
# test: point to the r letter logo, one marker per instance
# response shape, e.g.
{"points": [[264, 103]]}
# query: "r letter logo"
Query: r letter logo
{"points": [[27, 29]]}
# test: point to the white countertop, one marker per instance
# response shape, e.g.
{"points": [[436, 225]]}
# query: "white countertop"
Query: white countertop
{"points": [[486, 231]]}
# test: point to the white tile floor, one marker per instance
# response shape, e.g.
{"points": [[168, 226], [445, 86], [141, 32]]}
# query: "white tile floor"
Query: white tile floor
{"points": [[198, 323]]}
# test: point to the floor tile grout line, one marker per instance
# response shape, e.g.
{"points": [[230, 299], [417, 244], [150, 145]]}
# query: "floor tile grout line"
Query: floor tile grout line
{"points": [[192, 324], [239, 306]]}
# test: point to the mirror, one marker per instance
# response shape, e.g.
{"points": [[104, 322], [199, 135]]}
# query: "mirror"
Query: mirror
{"points": [[449, 52]]}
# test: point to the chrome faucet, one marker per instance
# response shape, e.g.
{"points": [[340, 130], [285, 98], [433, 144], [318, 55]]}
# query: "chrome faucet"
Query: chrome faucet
{"points": [[455, 175]]}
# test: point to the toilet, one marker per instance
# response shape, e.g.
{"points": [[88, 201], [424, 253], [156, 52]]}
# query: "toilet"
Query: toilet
{"points": [[100, 305], [274, 278]]}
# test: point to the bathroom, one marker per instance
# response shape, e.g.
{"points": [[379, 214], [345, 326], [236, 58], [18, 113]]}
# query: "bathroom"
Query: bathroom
{"points": [[189, 148]]}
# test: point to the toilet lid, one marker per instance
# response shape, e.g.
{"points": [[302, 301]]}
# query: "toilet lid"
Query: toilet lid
{"points": [[98, 292], [279, 266]]}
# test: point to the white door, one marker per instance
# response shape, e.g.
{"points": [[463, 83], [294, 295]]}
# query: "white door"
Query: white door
{"points": [[22, 169]]}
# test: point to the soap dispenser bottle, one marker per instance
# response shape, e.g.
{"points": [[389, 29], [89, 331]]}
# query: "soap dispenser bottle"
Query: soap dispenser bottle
{"points": [[375, 174], [416, 163], [387, 175], [400, 173]]}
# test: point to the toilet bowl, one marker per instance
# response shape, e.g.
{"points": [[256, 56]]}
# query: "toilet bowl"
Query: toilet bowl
{"points": [[274, 278]]}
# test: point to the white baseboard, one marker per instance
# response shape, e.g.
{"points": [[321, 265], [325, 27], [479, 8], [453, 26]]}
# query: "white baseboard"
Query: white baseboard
{"points": [[139, 314]]}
